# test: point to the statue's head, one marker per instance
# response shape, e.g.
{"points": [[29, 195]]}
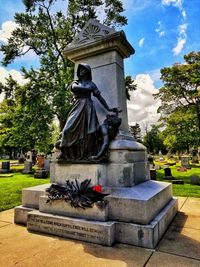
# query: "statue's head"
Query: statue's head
{"points": [[84, 70]]}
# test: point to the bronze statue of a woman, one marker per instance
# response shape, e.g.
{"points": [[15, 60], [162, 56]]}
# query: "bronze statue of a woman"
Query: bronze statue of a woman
{"points": [[80, 134]]}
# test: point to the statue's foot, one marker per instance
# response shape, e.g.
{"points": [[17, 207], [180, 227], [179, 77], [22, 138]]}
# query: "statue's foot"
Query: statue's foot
{"points": [[93, 158], [61, 156]]}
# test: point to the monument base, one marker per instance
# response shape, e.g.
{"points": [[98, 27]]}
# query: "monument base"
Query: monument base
{"points": [[138, 215]]}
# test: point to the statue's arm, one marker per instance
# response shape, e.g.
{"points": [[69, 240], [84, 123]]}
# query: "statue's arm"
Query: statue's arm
{"points": [[75, 86], [102, 101]]}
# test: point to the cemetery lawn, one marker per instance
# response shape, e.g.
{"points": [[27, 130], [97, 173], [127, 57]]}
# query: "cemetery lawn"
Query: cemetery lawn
{"points": [[186, 190], [11, 188]]}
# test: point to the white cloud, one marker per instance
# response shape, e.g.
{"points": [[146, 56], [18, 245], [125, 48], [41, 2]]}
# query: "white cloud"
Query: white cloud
{"points": [[155, 75], [175, 3], [14, 73], [182, 29], [182, 37], [142, 107], [179, 47], [141, 42], [160, 30], [162, 33], [6, 30]]}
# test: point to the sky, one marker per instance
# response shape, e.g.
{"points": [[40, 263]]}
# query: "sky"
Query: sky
{"points": [[161, 32]]}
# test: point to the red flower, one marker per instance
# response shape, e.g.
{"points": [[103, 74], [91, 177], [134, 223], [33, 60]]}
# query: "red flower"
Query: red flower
{"points": [[97, 188]]}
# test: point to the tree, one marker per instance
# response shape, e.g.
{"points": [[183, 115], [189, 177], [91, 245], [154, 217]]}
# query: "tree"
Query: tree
{"points": [[135, 130], [47, 33], [181, 131], [181, 89], [20, 125], [130, 86], [153, 141]]}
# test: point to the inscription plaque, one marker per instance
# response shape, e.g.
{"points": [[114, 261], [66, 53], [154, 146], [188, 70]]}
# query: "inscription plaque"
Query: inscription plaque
{"points": [[100, 233]]}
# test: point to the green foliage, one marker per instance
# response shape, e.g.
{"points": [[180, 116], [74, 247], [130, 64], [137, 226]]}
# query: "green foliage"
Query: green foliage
{"points": [[181, 90], [181, 131], [180, 108], [47, 32], [153, 141], [135, 130], [25, 117], [129, 85]]}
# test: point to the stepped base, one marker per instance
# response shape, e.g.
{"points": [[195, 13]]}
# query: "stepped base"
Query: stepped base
{"points": [[104, 233], [137, 216]]}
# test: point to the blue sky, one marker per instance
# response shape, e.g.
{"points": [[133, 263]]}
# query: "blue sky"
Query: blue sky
{"points": [[161, 31]]}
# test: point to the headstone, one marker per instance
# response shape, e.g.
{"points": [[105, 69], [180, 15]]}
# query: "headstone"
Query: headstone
{"points": [[153, 174], [150, 160], [177, 182], [185, 161], [195, 179], [40, 161], [195, 156], [43, 168], [29, 156], [5, 167], [28, 167], [168, 174]]}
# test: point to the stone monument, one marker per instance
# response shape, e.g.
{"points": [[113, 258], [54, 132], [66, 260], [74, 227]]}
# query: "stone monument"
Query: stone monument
{"points": [[134, 209], [185, 161]]}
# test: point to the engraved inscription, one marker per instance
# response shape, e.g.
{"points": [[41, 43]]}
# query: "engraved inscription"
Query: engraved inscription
{"points": [[71, 230], [73, 176]]}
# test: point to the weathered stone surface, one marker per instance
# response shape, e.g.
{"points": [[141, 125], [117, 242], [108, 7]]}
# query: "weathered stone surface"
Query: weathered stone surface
{"points": [[31, 195], [126, 156], [98, 212], [106, 174], [80, 172], [91, 231], [20, 214], [147, 235], [139, 204]]}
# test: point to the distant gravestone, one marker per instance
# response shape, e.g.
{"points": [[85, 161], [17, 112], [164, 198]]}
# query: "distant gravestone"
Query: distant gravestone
{"points": [[195, 156], [28, 167], [185, 161], [5, 167], [152, 174], [168, 174], [47, 165], [29, 156], [43, 167], [195, 179]]}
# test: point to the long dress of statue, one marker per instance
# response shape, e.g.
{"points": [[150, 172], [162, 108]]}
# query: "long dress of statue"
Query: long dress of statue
{"points": [[79, 137]]}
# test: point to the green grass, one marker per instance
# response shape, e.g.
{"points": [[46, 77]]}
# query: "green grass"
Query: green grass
{"points": [[11, 188], [182, 190]]}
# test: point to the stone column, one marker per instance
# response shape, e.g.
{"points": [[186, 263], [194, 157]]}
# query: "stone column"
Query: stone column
{"points": [[104, 50]]}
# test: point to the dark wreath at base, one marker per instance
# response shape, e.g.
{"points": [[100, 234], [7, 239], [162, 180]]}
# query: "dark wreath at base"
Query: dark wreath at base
{"points": [[78, 195]]}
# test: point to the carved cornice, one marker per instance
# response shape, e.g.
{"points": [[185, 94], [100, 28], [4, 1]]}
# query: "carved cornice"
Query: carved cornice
{"points": [[116, 41]]}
